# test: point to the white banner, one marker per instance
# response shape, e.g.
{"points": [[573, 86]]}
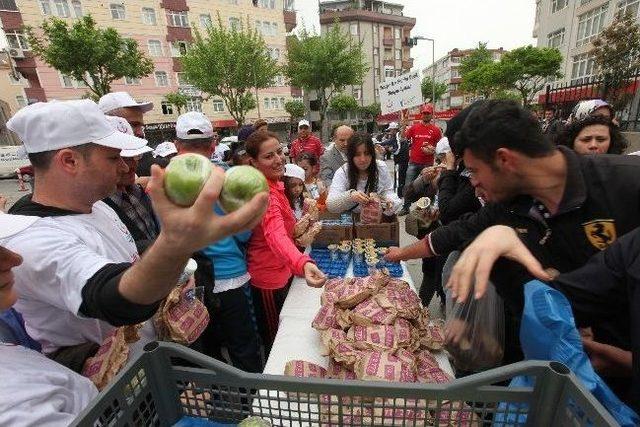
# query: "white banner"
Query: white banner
{"points": [[401, 92]]}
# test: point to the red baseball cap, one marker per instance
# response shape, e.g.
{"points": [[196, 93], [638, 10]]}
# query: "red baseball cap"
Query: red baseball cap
{"points": [[426, 108]]}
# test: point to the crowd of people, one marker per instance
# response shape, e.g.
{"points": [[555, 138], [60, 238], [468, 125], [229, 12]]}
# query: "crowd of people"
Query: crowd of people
{"points": [[98, 245]]}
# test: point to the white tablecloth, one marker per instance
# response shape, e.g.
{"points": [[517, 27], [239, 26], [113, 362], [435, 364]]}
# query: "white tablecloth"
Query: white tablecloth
{"points": [[296, 339]]}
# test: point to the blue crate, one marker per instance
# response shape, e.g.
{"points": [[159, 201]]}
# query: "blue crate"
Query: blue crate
{"points": [[331, 268], [360, 269]]}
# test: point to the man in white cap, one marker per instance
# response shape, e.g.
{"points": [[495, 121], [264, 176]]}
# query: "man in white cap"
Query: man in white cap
{"points": [[306, 142], [227, 282], [336, 156], [121, 104], [130, 200], [34, 389], [82, 274]]}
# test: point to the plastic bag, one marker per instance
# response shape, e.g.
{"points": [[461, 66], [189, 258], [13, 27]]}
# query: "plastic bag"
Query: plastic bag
{"points": [[548, 332], [371, 213], [475, 329]]}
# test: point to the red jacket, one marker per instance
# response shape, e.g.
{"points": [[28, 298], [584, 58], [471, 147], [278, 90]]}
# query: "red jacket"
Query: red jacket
{"points": [[309, 145], [273, 256]]}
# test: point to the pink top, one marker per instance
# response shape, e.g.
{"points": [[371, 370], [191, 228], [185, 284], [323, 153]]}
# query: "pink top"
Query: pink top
{"points": [[273, 256], [309, 145]]}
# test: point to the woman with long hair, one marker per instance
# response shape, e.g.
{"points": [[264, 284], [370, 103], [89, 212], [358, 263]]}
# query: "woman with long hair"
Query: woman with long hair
{"points": [[353, 184]]}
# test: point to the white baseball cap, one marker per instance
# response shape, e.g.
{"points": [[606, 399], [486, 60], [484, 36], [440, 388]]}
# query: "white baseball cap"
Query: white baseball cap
{"points": [[191, 121], [443, 146], [304, 122], [294, 171], [165, 149], [50, 126], [114, 100], [122, 125], [393, 125], [13, 224]]}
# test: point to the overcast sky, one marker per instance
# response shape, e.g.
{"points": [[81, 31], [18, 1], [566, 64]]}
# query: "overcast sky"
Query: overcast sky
{"points": [[456, 23]]}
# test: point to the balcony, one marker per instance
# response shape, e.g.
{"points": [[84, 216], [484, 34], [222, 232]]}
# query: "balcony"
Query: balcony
{"points": [[177, 64], [388, 41], [329, 16], [35, 94], [290, 20], [296, 92], [389, 62], [179, 33], [176, 5]]}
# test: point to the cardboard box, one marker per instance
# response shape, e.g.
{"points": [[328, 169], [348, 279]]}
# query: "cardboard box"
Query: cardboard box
{"points": [[385, 234], [332, 234]]}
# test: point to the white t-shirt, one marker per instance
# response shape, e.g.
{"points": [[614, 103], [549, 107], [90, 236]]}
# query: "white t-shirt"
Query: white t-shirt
{"points": [[60, 254], [36, 391], [340, 185], [219, 152]]}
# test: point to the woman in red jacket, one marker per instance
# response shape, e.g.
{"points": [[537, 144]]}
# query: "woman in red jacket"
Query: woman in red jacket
{"points": [[272, 256]]}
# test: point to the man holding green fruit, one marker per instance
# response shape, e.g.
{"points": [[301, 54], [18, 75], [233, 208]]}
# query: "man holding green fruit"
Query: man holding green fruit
{"points": [[82, 275]]}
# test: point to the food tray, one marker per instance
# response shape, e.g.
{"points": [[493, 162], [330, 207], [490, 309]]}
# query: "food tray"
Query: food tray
{"points": [[360, 269], [332, 268]]}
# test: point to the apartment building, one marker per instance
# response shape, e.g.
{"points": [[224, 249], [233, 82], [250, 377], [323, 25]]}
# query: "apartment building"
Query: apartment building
{"points": [[571, 26], [383, 30], [163, 30], [447, 71]]}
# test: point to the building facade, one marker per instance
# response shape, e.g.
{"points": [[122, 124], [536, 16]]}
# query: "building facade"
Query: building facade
{"points": [[571, 26], [383, 30], [163, 30], [447, 71]]}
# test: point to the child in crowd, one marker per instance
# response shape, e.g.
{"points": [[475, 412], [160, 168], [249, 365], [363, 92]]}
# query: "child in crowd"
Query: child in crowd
{"points": [[293, 179], [314, 187]]}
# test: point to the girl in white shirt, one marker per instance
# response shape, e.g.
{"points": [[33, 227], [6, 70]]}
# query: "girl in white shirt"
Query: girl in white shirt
{"points": [[360, 176]]}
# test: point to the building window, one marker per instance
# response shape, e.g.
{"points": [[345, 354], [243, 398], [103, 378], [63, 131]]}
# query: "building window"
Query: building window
{"points": [[234, 23], [117, 11], [357, 93], [218, 106], [232, 2], [178, 19], [282, 102], [353, 28], [8, 5], [162, 79], [179, 48], [149, 16], [583, 66], [557, 5], [62, 8], [155, 48], [453, 87], [397, 33], [583, 2], [375, 29], [389, 71], [274, 103], [590, 24], [455, 73], [17, 40], [132, 81], [267, 4], [45, 6], [398, 54], [194, 104], [376, 93], [205, 20], [21, 100], [376, 51], [77, 8], [71, 83], [266, 104], [628, 7], [274, 29], [556, 39], [181, 79], [289, 5], [167, 108]]}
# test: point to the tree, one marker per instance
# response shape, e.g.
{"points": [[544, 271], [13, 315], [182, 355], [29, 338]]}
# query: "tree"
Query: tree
{"points": [[177, 99], [527, 69], [229, 63], [428, 90], [295, 109], [473, 80], [343, 103], [370, 112], [616, 55], [507, 95], [479, 56], [92, 55], [325, 64], [484, 80]]}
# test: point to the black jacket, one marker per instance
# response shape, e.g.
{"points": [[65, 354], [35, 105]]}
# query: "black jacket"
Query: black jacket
{"points": [[456, 196], [601, 202]]}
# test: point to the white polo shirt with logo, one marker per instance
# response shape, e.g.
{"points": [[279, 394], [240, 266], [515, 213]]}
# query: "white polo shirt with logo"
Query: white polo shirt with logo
{"points": [[60, 254]]}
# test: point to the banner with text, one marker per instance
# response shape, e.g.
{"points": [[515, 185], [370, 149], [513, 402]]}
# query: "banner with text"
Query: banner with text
{"points": [[401, 92]]}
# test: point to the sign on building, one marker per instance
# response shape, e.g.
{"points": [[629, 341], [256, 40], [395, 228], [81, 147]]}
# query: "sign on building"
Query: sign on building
{"points": [[400, 92]]}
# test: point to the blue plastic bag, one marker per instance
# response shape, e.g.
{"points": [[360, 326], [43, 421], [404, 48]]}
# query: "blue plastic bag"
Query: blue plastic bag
{"points": [[548, 332]]}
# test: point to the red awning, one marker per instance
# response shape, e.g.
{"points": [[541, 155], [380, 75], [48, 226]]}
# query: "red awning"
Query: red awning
{"points": [[385, 119], [225, 123], [579, 93]]}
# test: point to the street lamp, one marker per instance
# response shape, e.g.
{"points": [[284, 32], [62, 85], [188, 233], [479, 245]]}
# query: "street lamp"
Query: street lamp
{"points": [[414, 41]]}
